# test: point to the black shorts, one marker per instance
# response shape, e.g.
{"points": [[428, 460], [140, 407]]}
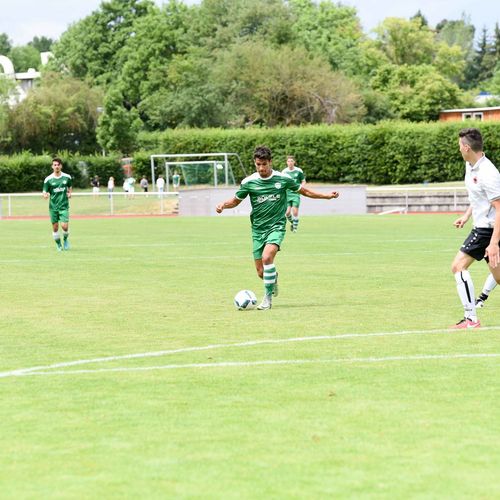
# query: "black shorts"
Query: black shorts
{"points": [[477, 241]]}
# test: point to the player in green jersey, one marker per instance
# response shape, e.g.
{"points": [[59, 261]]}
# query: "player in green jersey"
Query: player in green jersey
{"points": [[293, 199], [58, 187], [267, 189]]}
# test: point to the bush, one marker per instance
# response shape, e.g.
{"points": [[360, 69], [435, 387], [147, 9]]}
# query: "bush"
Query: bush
{"points": [[385, 153], [25, 172]]}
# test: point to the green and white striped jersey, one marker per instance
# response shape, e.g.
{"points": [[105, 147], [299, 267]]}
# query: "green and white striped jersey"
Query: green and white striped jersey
{"points": [[268, 198], [58, 187]]}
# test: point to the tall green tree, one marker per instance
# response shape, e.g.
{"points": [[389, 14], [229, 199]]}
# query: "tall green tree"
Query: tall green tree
{"points": [[5, 44], [25, 57], [42, 43], [284, 86], [59, 113], [118, 126], [91, 48], [405, 42], [416, 92], [329, 30]]}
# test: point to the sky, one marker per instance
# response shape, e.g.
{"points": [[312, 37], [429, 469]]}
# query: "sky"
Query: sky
{"points": [[24, 19]]}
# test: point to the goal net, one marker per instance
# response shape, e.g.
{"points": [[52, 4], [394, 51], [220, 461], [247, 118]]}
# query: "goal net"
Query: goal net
{"points": [[197, 170]]}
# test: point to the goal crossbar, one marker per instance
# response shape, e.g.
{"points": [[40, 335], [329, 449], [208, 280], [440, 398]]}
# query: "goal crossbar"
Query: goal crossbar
{"points": [[222, 158]]}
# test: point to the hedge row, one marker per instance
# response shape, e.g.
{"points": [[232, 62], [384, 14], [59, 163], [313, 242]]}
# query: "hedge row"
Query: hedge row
{"points": [[386, 153], [25, 172]]}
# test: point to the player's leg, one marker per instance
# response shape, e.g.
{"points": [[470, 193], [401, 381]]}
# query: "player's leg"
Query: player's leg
{"points": [[55, 230], [289, 213], [489, 284], [268, 274], [295, 216], [465, 289], [65, 227]]}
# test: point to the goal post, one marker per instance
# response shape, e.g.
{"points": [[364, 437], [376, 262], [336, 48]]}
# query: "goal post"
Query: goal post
{"points": [[198, 169]]}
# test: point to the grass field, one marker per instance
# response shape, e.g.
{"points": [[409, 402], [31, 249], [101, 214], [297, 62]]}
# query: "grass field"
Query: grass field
{"points": [[126, 372]]}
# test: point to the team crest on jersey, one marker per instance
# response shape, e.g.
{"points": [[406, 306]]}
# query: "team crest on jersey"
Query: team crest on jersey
{"points": [[277, 185]]}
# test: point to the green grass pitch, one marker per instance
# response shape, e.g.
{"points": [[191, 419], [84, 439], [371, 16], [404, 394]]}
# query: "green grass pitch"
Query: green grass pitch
{"points": [[150, 384]]}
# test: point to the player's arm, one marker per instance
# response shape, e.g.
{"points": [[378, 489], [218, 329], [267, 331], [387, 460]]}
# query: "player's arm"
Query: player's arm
{"points": [[493, 250], [309, 193], [45, 190], [231, 203], [69, 192], [461, 221]]}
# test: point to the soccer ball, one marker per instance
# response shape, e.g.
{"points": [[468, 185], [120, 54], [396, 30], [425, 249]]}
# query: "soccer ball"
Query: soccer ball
{"points": [[245, 300]]}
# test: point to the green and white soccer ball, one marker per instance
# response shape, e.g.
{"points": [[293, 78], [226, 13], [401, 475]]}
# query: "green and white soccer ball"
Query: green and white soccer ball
{"points": [[245, 300]]}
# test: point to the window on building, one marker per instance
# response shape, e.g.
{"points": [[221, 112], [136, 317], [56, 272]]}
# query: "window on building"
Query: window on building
{"points": [[473, 116]]}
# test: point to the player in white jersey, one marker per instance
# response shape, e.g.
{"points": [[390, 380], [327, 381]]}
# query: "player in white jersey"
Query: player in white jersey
{"points": [[267, 189], [482, 181]]}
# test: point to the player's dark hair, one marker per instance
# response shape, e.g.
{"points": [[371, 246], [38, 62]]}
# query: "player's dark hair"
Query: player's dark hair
{"points": [[473, 138], [58, 160], [262, 153]]}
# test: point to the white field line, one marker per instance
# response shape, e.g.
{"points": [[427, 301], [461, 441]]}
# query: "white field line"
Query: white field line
{"points": [[26, 371], [239, 364]]}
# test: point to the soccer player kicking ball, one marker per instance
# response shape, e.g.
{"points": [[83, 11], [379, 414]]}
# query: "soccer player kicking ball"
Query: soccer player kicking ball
{"points": [[58, 186], [268, 196]]}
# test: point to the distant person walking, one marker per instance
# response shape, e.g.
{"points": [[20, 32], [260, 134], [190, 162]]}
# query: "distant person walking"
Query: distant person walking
{"points": [[144, 184], [111, 186], [176, 181], [95, 185], [160, 184], [58, 187]]}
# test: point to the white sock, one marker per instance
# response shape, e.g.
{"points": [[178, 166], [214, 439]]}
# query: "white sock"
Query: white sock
{"points": [[56, 236], [489, 284], [465, 289]]}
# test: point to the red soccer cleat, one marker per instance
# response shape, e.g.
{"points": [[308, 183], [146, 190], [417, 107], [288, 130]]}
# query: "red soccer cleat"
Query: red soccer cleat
{"points": [[466, 323]]}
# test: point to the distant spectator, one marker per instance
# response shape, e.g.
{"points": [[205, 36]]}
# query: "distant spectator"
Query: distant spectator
{"points": [[131, 186], [144, 184], [176, 181], [95, 185], [111, 186], [160, 184]]}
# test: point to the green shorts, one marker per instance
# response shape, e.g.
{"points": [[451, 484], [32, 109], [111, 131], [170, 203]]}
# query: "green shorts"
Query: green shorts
{"points": [[293, 200], [59, 215], [274, 236]]}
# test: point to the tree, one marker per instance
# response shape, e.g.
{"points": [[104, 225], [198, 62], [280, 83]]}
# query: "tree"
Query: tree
{"points": [[420, 17], [329, 30], [405, 42], [91, 48], [145, 58], [459, 32], [118, 127], [189, 97], [60, 113], [5, 44], [284, 86], [25, 57], [415, 93], [6, 87], [42, 44]]}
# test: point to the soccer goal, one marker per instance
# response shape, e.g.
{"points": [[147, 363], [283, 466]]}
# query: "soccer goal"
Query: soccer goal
{"points": [[197, 169]]}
